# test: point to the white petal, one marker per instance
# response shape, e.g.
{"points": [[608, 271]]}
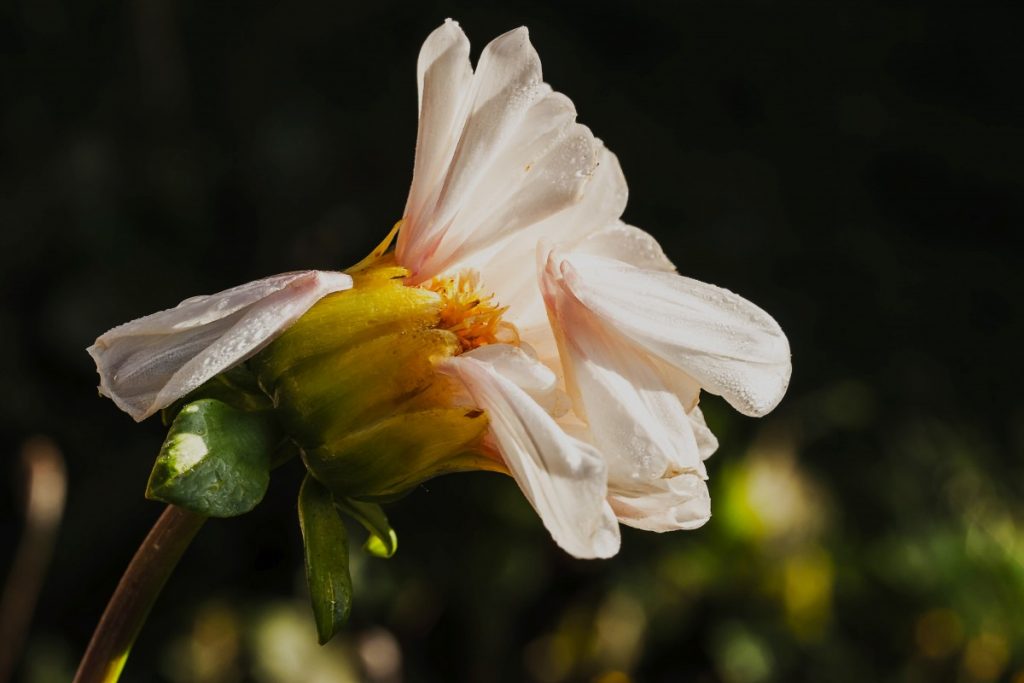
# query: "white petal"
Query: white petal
{"points": [[729, 345], [505, 85], [531, 182], [519, 159], [147, 364], [626, 243], [633, 413], [603, 201], [517, 366], [679, 383], [707, 442], [687, 390], [526, 372], [681, 502], [445, 76], [563, 478]]}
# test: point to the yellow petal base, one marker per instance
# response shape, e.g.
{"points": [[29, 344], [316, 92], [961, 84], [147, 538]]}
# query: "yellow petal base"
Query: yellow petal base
{"points": [[355, 383]]}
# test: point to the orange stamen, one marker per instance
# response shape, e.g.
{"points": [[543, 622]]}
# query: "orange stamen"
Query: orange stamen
{"points": [[473, 317]]}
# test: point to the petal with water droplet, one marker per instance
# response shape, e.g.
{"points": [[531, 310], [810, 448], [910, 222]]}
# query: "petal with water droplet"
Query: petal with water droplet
{"points": [[563, 478], [729, 345], [633, 413], [680, 502], [149, 363]]}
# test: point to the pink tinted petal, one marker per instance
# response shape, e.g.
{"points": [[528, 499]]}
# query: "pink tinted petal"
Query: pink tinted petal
{"points": [[147, 364], [625, 243], [632, 412], [729, 345], [563, 479], [519, 159], [445, 79], [520, 365], [535, 181], [680, 502], [506, 83], [707, 442]]}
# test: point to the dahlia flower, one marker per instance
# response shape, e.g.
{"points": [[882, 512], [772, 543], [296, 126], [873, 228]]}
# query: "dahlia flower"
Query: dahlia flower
{"points": [[517, 326]]}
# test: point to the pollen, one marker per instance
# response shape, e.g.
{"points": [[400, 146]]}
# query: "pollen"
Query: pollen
{"points": [[474, 317]]}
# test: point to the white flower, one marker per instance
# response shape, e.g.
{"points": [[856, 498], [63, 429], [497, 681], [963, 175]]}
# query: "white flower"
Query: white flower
{"points": [[507, 184], [593, 401]]}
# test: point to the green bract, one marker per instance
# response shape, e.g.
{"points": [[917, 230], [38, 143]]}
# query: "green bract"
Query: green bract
{"points": [[398, 452], [382, 542], [352, 388], [354, 383], [215, 460], [326, 546]]}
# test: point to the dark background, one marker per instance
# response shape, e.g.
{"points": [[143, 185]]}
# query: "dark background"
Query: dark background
{"points": [[852, 167]]}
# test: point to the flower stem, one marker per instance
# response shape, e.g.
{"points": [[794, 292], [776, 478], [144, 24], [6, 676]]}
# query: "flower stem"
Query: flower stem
{"points": [[135, 594]]}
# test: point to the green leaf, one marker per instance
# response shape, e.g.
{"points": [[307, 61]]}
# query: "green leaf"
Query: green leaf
{"points": [[215, 459], [383, 542], [326, 544]]}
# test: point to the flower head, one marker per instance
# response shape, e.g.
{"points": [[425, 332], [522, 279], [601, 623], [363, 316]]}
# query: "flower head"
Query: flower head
{"points": [[518, 326]]}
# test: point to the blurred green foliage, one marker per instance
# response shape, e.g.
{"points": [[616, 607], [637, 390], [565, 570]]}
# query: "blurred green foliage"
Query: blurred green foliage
{"points": [[854, 168]]}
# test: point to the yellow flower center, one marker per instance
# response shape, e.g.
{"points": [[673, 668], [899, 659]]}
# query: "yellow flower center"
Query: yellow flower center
{"points": [[469, 314], [355, 381]]}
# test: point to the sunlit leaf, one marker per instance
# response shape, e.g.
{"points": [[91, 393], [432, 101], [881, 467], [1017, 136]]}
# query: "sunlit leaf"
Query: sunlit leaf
{"points": [[215, 460]]}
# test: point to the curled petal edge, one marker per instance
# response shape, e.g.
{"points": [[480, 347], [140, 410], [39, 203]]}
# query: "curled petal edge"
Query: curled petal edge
{"points": [[681, 502], [730, 346], [147, 364], [564, 479]]}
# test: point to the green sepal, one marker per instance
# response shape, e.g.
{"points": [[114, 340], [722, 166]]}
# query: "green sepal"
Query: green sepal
{"points": [[391, 456], [378, 304], [237, 387], [330, 395], [326, 551], [215, 460], [286, 450], [383, 541]]}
